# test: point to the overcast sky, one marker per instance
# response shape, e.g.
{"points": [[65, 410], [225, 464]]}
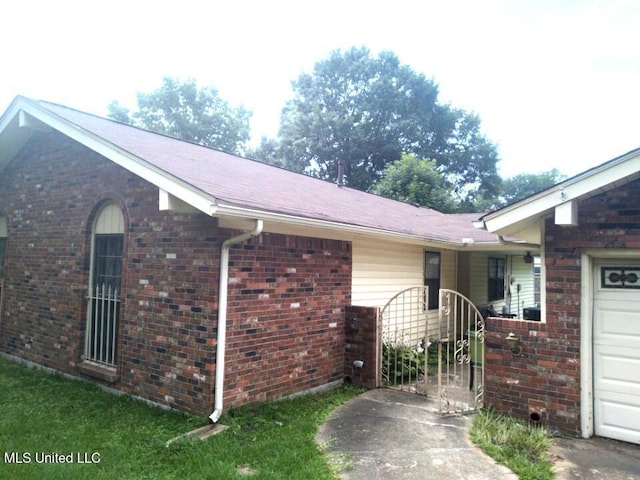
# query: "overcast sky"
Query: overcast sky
{"points": [[555, 82]]}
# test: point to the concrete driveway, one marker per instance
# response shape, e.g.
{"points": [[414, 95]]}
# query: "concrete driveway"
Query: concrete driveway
{"points": [[385, 434]]}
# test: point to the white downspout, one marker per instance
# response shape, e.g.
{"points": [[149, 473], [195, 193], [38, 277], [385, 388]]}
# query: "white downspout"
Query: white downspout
{"points": [[222, 316]]}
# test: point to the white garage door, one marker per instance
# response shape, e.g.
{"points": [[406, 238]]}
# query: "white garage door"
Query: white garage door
{"points": [[616, 337]]}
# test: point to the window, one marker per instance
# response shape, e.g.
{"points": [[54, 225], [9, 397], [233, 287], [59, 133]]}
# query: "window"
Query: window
{"points": [[432, 278], [496, 279], [536, 280], [103, 306]]}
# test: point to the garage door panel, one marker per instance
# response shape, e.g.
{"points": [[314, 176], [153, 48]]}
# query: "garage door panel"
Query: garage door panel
{"points": [[618, 370], [617, 319], [616, 352], [618, 419]]}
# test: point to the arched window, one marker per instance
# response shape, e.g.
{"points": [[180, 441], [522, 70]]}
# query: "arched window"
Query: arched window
{"points": [[103, 310]]}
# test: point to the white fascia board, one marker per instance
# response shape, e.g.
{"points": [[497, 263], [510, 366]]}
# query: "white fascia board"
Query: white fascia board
{"points": [[501, 221], [168, 201], [341, 231], [495, 247], [344, 228], [592, 182], [126, 160], [10, 113]]}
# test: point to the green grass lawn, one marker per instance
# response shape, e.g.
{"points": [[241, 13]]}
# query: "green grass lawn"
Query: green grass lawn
{"points": [[43, 413]]}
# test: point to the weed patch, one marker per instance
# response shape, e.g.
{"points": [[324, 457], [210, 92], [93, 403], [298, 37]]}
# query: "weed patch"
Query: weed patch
{"points": [[513, 443]]}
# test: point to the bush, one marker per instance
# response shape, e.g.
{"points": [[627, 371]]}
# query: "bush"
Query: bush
{"points": [[402, 363]]}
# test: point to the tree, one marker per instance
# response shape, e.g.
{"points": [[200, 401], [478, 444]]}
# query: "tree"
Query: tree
{"points": [[526, 184], [119, 113], [182, 110], [367, 112], [268, 151], [415, 180]]}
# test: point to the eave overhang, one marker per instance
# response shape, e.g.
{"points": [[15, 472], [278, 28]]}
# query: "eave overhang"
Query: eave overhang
{"points": [[524, 219], [25, 117]]}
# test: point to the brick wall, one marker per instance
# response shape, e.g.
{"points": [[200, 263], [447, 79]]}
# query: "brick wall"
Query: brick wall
{"points": [[540, 384], [362, 344], [545, 379], [286, 298]]}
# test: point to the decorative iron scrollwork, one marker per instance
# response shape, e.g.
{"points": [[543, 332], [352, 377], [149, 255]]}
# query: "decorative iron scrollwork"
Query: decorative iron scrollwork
{"points": [[462, 351], [445, 404], [620, 277], [479, 397]]}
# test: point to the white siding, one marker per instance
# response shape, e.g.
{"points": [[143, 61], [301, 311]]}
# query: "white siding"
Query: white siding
{"points": [[449, 266], [383, 269], [522, 274], [479, 278], [476, 271]]}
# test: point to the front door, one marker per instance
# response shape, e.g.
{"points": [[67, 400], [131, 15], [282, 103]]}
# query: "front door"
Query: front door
{"points": [[616, 349]]}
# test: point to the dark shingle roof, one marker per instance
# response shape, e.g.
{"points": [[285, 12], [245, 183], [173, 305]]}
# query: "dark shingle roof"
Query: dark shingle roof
{"points": [[250, 184]]}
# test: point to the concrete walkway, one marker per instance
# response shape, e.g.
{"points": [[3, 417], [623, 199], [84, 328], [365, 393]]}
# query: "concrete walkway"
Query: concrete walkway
{"points": [[595, 459], [385, 434]]}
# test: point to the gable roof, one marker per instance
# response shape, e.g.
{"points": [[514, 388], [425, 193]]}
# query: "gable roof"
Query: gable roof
{"points": [[221, 184], [523, 219]]}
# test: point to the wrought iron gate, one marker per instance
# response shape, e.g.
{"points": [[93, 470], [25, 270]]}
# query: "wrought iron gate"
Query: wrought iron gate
{"points": [[460, 353], [439, 354], [405, 341]]}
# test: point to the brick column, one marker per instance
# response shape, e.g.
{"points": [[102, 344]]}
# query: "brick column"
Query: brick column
{"points": [[362, 343]]}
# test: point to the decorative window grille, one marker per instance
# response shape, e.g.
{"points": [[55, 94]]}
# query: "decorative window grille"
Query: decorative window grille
{"points": [[103, 300], [620, 277], [102, 328]]}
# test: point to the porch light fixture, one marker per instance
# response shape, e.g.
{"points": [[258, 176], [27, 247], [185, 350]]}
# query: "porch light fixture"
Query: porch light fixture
{"points": [[513, 341], [528, 258]]}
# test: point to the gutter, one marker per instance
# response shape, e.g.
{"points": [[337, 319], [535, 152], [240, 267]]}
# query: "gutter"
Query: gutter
{"points": [[305, 222], [222, 316], [517, 244], [481, 225]]}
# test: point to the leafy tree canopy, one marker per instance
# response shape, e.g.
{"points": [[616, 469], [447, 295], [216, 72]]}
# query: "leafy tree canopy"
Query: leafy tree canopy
{"points": [[526, 184], [367, 111], [417, 181], [180, 109]]}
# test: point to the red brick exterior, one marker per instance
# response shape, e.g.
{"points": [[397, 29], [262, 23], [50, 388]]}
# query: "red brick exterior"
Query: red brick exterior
{"points": [[287, 300], [287, 294], [363, 344], [545, 379]]}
